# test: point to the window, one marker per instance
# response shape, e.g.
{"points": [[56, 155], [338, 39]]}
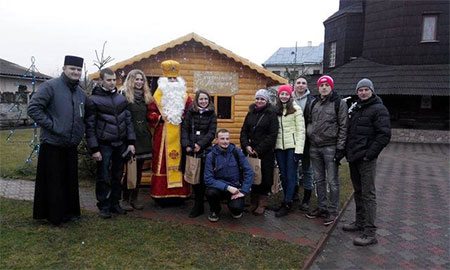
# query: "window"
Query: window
{"points": [[429, 27], [276, 72], [316, 71], [332, 54], [223, 105]]}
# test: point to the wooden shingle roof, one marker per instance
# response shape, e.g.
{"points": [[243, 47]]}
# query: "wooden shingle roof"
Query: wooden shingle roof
{"points": [[203, 41], [429, 80]]}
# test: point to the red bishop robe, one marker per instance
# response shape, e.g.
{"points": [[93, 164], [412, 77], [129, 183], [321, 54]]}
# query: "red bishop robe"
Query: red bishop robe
{"points": [[160, 182]]}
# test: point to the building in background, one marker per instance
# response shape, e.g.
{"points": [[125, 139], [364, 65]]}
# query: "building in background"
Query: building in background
{"points": [[16, 86], [294, 61], [403, 47]]}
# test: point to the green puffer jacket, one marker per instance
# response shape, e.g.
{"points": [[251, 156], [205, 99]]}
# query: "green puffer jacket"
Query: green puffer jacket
{"points": [[291, 131]]}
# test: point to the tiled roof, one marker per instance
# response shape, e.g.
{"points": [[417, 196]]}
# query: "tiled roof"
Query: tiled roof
{"points": [[286, 56], [355, 8], [9, 69], [432, 80]]}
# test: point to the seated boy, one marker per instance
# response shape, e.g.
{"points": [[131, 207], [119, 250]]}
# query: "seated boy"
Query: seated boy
{"points": [[228, 175]]}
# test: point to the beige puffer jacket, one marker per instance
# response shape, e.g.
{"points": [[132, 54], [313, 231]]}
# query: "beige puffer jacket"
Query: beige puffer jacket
{"points": [[291, 131]]}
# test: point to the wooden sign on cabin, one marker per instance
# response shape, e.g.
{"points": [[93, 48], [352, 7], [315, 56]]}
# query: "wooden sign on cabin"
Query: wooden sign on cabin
{"points": [[216, 82]]}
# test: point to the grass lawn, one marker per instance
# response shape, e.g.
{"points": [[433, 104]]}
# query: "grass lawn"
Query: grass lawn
{"points": [[13, 154], [126, 242]]}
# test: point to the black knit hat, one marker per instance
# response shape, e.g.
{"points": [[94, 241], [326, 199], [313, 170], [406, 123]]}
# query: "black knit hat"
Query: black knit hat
{"points": [[71, 60]]}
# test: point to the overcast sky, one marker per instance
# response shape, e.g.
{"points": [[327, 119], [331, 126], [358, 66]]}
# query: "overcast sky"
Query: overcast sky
{"points": [[48, 29]]}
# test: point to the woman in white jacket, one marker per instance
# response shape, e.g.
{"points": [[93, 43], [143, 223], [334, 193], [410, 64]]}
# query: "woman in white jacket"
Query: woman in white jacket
{"points": [[289, 146]]}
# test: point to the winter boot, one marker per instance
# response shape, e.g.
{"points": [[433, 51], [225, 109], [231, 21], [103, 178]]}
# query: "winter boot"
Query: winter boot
{"points": [[254, 199], [284, 210], [261, 206], [306, 198]]}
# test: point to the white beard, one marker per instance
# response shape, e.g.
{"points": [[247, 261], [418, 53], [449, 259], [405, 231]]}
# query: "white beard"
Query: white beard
{"points": [[172, 99]]}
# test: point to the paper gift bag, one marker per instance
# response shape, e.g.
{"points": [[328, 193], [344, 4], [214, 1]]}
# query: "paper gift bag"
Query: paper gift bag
{"points": [[192, 170], [131, 173], [276, 180], [255, 163]]}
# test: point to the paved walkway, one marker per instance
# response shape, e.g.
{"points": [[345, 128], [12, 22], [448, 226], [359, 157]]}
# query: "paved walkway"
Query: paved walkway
{"points": [[413, 214]]}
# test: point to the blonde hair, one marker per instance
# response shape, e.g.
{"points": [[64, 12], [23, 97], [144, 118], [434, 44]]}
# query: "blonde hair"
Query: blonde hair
{"points": [[128, 87]]}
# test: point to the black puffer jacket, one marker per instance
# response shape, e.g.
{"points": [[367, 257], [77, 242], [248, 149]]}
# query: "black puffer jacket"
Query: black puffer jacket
{"points": [[261, 137], [108, 120], [369, 131], [202, 132]]}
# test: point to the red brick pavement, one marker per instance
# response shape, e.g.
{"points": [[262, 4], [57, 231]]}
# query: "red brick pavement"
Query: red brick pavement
{"points": [[412, 218]]}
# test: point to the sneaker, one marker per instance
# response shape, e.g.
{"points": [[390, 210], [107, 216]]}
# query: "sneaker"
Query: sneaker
{"points": [[365, 240], [352, 227], [317, 213], [105, 213], [304, 207], [238, 216], [125, 205], [329, 220], [213, 217], [137, 205], [118, 210]]}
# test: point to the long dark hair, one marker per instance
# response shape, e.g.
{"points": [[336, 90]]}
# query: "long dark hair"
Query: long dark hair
{"points": [[289, 106], [195, 106]]}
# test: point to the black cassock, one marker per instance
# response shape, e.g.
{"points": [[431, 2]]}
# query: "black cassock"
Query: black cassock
{"points": [[56, 196]]}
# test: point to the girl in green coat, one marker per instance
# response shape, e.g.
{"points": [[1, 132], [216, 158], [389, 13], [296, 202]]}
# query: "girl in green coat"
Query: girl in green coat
{"points": [[289, 145]]}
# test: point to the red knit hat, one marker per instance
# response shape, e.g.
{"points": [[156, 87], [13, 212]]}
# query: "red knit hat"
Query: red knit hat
{"points": [[325, 79], [286, 88]]}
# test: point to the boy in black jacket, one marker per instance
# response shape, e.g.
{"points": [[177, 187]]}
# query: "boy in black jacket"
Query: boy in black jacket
{"points": [[109, 134]]}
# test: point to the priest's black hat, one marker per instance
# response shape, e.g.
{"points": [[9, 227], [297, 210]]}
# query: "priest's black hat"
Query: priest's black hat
{"points": [[71, 60]]}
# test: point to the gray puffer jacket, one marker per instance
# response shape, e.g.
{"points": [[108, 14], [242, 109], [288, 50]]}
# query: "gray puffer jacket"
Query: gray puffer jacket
{"points": [[324, 126], [58, 108], [107, 119]]}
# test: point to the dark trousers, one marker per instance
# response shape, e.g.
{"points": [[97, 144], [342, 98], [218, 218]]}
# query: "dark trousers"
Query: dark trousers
{"points": [[199, 189], [56, 195], [363, 179], [108, 189], [132, 194], [214, 197]]}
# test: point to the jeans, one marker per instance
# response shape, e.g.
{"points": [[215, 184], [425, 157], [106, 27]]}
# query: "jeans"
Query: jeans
{"points": [[306, 169], [107, 188], [214, 197], [363, 179], [326, 170], [288, 170]]}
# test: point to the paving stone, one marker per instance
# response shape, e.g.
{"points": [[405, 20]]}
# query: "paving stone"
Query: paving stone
{"points": [[412, 228]]}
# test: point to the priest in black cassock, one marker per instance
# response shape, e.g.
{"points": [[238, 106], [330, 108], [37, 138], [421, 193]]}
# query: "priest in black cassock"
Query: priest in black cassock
{"points": [[58, 107]]}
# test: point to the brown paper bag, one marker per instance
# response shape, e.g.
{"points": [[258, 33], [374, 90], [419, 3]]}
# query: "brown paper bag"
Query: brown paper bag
{"points": [[255, 163], [131, 173], [192, 170], [276, 181]]}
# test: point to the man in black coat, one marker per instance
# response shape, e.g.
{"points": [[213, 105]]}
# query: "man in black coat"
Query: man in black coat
{"points": [[109, 133], [369, 132], [58, 108]]}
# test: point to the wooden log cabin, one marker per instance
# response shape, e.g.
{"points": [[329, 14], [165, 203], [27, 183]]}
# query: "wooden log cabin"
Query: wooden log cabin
{"points": [[231, 80]]}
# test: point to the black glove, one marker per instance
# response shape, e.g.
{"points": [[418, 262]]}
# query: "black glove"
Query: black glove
{"points": [[340, 153], [297, 157]]}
